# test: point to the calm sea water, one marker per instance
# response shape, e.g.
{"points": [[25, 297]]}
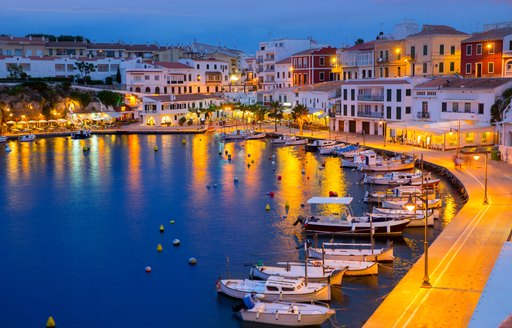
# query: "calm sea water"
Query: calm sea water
{"points": [[77, 229]]}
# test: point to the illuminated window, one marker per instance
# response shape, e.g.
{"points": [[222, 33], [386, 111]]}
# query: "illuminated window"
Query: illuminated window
{"points": [[452, 66]]}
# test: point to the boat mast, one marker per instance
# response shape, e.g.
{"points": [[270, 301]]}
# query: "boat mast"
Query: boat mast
{"points": [[306, 263]]}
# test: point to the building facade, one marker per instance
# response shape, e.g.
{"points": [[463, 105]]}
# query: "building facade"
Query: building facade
{"points": [[357, 62], [488, 54], [312, 66], [389, 59], [284, 73]]}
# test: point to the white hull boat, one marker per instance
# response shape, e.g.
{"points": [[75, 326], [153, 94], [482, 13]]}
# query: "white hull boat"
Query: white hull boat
{"points": [[328, 150], [295, 271], [352, 252], [317, 144], [417, 220], [435, 212], [3, 138], [390, 179], [354, 268], [261, 135], [276, 288], [296, 142], [282, 139], [236, 135], [27, 137], [399, 204], [287, 314], [388, 166]]}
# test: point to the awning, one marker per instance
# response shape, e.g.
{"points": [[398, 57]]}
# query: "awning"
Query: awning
{"points": [[330, 200], [323, 115], [442, 127], [114, 114]]}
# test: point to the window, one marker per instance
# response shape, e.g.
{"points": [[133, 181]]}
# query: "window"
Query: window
{"points": [[321, 76], [388, 112], [490, 67], [452, 66], [478, 50], [352, 94], [467, 107], [277, 74], [146, 77], [407, 92], [413, 52], [468, 68], [345, 96], [441, 67], [468, 50], [408, 110], [399, 113], [207, 66], [452, 50], [480, 109], [197, 66], [441, 49], [322, 61], [398, 95], [455, 107], [443, 106], [388, 94], [399, 71], [215, 66], [344, 110], [424, 68], [370, 73], [352, 110], [386, 72], [425, 50]]}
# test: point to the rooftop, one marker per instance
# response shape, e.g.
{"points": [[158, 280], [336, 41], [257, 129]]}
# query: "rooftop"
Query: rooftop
{"points": [[466, 83], [172, 65], [437, 30], [377, 81], [497, 34]]}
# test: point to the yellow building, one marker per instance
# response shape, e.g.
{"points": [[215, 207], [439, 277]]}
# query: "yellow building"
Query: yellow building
{"points": [[435, 50], [389, 58]]}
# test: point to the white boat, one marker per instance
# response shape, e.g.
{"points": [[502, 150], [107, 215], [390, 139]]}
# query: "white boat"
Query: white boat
{"points": [[81, 134], [282, 139], [346, 224], [417, 217], [296, 142], [392, 193], [236, 135], [352, 252], [358, 160], [391, 165], [289, 314], [353, 268], [256, 136], [432, 203], [3, 138], [390, 178], [329, 150], [27, 137], [426, 181], [276, 288], [317, 144], [297, 270]]}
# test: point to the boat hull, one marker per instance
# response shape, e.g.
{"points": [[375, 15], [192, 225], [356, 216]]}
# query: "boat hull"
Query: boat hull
{"points": [[387, 228], [334, 279], [287, 316], [378, 255], [387, 168]]}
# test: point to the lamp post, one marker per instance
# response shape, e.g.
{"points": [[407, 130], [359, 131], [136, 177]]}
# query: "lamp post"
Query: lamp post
{"points": [[477, 157], [411, 206], [384, 128]]}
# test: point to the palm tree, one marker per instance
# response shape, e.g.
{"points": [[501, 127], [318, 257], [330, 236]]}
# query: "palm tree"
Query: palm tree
{"points": [[258, 113], [208, 111], [275, 111], [300, 115], [196, 111]]}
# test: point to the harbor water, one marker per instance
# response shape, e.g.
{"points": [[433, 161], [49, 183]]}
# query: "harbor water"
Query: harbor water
{"points": [[78, 228]]}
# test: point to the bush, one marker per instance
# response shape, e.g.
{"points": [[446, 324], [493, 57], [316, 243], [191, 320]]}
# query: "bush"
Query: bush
{"points": [[507, 93], [109, 80], [190, 122], [182, 120]]}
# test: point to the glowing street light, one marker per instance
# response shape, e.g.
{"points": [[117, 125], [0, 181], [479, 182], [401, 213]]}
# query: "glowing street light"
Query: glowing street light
{"points": [[477, 157]]}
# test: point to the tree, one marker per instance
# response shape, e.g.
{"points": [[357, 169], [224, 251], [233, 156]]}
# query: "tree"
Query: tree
{"points": [[196, 111], [118, 75], [109, 98], [259, 113], [276, 112], [16, 71], [84, 70], [359, 41], [300, 115], [208, 111]]}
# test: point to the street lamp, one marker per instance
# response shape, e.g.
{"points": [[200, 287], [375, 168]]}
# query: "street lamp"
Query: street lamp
{"points": [[411, 206], [384, 128], [477, 157]]}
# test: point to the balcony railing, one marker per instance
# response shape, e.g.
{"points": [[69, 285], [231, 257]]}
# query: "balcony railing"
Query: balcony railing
{"points": [[269, 70], [370, 97], [270, 58], [423, 115], [259, 60], [370, 114]]}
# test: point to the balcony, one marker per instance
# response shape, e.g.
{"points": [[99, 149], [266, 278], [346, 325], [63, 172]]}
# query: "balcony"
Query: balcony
{"points": [[423, 115], [270, 58], [382, 60], [259, 60], [370, 114], [269, 70], [376, 97]]}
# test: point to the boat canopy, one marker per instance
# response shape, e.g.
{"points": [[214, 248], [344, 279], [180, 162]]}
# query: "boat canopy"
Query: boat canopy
{"points": [[330, 200]]}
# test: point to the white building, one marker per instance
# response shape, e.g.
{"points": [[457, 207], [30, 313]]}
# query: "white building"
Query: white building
{"points": [[370, 105], [284, 73], [161, 110], [357, 62], [505, 130], [271, 52], [211, 75]]}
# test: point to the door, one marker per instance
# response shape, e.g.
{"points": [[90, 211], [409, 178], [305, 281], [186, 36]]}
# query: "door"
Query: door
{"points": [[352, 126], [366, 128], [341, 126], [478, 70]]}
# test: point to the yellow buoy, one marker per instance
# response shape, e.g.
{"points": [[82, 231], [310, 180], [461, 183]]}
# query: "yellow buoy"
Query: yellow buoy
{"points": [[50, 323], [267, 208], [156, 148], [162, 228], [159, 248], [183, 141], [286, 204]]}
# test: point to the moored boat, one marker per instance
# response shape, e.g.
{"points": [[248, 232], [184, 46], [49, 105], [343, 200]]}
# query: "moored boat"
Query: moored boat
{"points": [[399, 204], [81, 134], [352, 252], [260, 135], [27, 137], [282, 139], [290, 314], [276, 288], [236, 135], [390, 178], [317, 144], [295, 270], [296, 142], [353, 268], [3, 138]]}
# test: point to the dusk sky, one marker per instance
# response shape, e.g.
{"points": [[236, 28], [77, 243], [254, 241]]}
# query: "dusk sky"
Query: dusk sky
{"points": [[241, 24]]}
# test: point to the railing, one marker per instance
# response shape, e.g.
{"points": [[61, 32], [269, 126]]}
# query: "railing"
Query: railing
{"points": [[271, 58], [423, 115], [269, 70], [370, 114], [370, 97], [259, 60]]}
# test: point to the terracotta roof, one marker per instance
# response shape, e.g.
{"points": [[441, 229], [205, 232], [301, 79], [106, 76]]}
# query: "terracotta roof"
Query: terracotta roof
{"points": [[437, 30], [361, 47], [497, 34], [316, 51], [174, 65], [466, 83], [22, 40], [376, 81], [66, 44], [284, 61], [109, 46], [143, 47]]}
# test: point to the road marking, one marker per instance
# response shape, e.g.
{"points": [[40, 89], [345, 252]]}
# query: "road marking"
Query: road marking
{"points": [[471, 225]]}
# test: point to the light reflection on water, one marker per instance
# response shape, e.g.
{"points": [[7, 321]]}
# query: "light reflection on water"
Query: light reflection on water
{"points": [[91, 219]]}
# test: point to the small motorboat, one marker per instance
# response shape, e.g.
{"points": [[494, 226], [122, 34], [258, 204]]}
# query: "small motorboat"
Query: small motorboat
{"points": [[281, 313], [27, 137], [317, 144], [298, 270], [353, 268], [390, 178], [81, 134], [296, 142], [282, 139], [276, 288], [352, 252], [236, 135], [256, 136], [3, 138], [399, 204]]}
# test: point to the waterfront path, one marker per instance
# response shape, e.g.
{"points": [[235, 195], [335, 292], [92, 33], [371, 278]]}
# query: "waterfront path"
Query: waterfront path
{"points": [[462, 257]]}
